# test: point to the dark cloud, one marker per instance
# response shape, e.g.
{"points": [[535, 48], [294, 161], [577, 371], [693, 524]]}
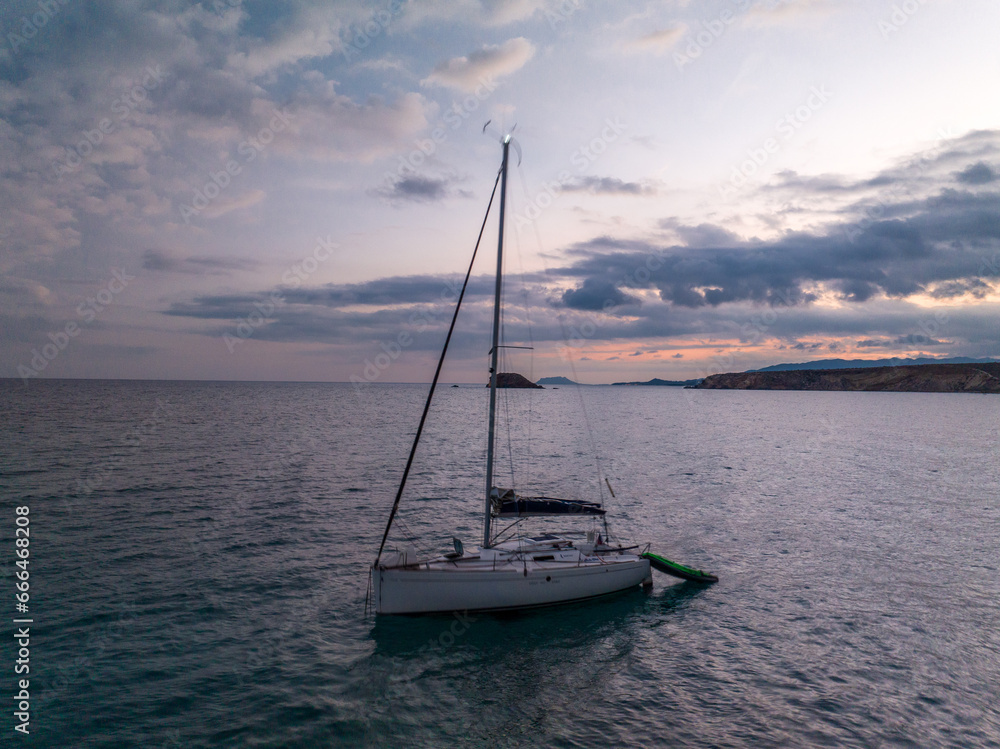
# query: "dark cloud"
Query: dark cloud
{"points": [[307, 316], [415, 188], [404, 290], [422, 189], [913, 339], [410, 291], [855, 290], [222, 263], [941, 240], [977, 174], [596, 294], [607, 186], [919, 339], [712, 284], [918, 177], [707, 235], [829, 183], [158, 260], [974, 286]]}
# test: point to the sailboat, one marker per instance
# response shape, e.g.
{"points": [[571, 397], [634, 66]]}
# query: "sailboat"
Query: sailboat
{"points": [[516, 573]]}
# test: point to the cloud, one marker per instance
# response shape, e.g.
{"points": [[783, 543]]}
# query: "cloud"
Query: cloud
{"points": [[482, 12], [223, 205], [501, 12], [913, 340], [975, 287], [596, 294], [607, 186], [65, 181], [491, 61], [327, 125], [659, 41], [383, 292], [422, 305], [419, 189], [22, 290], [771, 13], [979, 173], [895, 257], [853, 283], [704, 235], [310, 32], [161, 260], [899, 189]]}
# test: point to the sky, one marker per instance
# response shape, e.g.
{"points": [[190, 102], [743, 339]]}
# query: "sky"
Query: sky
{"points": [[292, 190]]}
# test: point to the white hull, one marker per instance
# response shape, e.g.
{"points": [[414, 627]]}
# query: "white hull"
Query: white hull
{"points": [[506, 581]]}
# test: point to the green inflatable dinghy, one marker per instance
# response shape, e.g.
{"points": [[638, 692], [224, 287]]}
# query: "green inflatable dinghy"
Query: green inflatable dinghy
{"points": [[679, 570]]}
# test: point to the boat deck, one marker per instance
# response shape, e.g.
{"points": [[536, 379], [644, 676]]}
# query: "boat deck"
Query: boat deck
{"points": [[534, 553]]}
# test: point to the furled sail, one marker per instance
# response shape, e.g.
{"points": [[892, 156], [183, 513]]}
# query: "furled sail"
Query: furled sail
{"points": [[506, 504]]}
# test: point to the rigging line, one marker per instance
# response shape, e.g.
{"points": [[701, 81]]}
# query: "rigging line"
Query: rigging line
{"points": [[437, 373], [567, 352], [510, 445], [529, 471], [505, 398], [506, 365], [414, 540]]}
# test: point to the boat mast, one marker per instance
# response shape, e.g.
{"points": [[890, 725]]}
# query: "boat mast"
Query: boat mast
{"points": [[495, 350]]}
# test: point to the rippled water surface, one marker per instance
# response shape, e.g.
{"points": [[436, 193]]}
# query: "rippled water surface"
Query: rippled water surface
{"points": [[200, 552]]}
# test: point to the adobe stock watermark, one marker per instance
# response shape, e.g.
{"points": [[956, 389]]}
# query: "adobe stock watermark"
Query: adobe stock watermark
{"points": [[929, 327], [896, 189], [562, 12], [989, 266], [364, 34], [33, 24], [248, 151], [696, 44], [900, 16], [271, 648], [575, 337], [376, 366], [752, 332], [122, 107], [786, 127], [221, 7], [82, 664], [88, 311], [405, 674], [263, 312], [135, 438], [454, 116], [582, 157]]}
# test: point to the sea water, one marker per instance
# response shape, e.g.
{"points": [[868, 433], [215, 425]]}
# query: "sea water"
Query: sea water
{"points": [[199, 556]]}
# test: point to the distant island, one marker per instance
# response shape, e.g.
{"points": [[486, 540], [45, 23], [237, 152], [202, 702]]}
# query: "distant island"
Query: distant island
{"points": [[667, 383], [654, 381], [556, 381], [920, 378], [514, 380], [946, 379], [859, 363]]}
